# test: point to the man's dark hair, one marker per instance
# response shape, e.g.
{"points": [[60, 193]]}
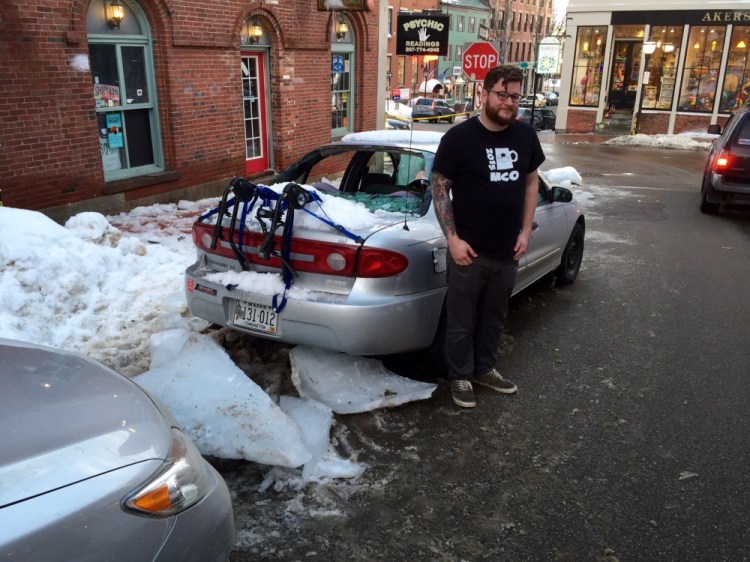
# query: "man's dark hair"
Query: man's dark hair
{"points": [[505, 72]]}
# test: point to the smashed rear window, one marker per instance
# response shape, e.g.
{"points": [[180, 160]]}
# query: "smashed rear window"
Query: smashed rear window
{"points": [[386, 179]]}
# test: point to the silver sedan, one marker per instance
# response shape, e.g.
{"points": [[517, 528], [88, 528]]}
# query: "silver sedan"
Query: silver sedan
{"points": [[361, 287], [93, 468]]}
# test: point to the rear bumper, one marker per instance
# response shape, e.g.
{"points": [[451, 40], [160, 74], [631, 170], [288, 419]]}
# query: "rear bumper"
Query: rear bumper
{"points": [[720, 184], [359, 323]]}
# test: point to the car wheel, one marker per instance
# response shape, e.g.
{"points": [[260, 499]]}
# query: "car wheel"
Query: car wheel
{"points": [[572, 257], [451, 118], [707, 206]]}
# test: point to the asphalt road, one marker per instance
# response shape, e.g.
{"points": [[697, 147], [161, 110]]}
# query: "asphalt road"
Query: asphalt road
{"points": [[628, 439]]}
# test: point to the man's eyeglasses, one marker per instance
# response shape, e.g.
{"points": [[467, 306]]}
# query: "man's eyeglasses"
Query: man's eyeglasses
{"points": [[505, 96]]}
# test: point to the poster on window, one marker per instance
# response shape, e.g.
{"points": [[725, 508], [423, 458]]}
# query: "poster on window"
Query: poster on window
{"points": [[106, 95], [114, 130]]}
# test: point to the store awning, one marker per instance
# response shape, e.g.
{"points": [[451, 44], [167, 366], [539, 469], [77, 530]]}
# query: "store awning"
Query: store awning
{"points": [[432, 85]]}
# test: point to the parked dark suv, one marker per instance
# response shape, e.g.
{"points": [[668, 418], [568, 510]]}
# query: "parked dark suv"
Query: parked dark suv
{"points": [[727, 174], [431, 109]]}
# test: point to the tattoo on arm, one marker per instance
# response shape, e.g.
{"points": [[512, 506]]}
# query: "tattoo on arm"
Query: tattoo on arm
{"points": [[440, 187]]}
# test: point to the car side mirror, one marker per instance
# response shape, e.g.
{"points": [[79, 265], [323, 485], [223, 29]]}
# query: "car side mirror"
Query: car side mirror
{"points": [[714, 129], [562, 194]]}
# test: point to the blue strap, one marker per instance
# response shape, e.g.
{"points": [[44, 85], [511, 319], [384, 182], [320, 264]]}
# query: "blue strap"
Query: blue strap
{"points": [[358, 239], [267, 196]]}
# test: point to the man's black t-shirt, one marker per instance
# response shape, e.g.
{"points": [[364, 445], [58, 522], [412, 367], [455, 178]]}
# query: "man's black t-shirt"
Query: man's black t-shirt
{"points": [[488, 170]]}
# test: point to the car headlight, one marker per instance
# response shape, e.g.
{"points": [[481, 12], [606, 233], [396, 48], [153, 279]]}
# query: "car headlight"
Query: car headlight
{"points": [[179, 484]]}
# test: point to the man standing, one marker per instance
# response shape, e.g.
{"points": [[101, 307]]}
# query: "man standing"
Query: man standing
{"points": [[489, 163]]}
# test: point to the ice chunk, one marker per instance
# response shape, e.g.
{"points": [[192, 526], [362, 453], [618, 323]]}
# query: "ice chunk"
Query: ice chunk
{"points": [[229, 416], [350, 384]]}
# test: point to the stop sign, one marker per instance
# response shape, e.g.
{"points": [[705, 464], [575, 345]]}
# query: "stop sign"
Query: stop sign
{"points": [[478, 58]]}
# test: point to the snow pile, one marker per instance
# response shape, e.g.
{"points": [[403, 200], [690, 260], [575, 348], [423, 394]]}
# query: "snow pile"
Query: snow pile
{"points": [[683, 142]]}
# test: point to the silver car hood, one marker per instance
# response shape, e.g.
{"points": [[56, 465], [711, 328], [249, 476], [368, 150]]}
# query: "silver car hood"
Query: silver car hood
{"points": [[64, 418]]}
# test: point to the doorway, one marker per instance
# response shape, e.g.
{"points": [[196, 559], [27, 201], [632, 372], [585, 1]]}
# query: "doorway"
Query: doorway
{"points": [[254, 102], [623, 82]]}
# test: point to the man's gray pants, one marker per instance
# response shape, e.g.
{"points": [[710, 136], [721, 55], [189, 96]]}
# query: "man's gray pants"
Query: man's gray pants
{"points": [[476, 307]]}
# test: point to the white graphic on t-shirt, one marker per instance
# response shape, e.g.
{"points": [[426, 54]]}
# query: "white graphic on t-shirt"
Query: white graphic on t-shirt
{"points": [[502, 159]]}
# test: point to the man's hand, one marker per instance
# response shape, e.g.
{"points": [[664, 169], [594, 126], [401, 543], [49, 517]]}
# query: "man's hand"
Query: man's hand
{"points": [[461, 252], [522, 243]]}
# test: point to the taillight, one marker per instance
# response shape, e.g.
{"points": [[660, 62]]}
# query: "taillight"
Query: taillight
{"points": [[722, 161], [376, 262], [312, 256]]}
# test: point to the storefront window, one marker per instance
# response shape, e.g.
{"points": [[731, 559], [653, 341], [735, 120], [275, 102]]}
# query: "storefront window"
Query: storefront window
{"points": [[342, 81], [702, 66], [589, 63], [661, 68], [736, 89]]}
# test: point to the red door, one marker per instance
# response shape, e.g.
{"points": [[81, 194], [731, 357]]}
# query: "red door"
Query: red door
{"points": [[254, 104]]}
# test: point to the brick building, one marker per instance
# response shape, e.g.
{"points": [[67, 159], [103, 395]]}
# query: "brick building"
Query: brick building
{"points": [[111, 103]]}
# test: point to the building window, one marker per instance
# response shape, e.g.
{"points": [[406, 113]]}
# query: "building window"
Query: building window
{"points": [[390, 21], [472, 24], [124, 93], [460, 23], [401, 77], [661, 67], [736, 89], [447, 56], [450, 22], [702, 65], [342, 79], [588, 66]]}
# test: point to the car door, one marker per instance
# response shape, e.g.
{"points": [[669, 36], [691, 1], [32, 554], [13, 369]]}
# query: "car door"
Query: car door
{"points": [[548, 239]]}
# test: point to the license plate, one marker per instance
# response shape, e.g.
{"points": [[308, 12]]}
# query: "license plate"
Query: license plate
{"points": [[255, 316]]}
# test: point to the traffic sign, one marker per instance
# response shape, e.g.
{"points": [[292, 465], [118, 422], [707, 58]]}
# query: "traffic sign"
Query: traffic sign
{"points": [[478, 58]]}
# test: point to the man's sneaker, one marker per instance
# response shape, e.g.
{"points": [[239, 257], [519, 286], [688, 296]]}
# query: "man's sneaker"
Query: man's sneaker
{"points": [[463, 393], [492, 379]]}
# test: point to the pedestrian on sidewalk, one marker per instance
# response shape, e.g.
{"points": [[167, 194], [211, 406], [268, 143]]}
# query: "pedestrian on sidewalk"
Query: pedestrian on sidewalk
{"points": [[489, 165]]}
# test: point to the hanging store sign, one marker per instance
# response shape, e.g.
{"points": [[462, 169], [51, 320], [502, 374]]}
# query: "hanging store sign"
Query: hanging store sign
{"points": [[548, 57], [422, 34]]}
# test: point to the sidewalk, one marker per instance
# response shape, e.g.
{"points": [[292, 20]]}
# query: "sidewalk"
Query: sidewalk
{"points": [[571, 138]]}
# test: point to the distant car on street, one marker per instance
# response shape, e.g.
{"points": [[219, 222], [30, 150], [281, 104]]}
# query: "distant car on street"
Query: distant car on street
{"points": [[538, 100], [544, 118], [551, 97], [94, 468], [433, 109], [727, 172], [368, 289]]}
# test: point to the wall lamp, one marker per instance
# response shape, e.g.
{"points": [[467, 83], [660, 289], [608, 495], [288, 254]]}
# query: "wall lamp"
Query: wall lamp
{"points": [[649, 47], [115, 14], [254, 32], [668, 47], [342, 28]]}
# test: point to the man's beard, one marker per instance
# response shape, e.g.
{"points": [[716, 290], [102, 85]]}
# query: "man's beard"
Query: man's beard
{"points": [[499, 119]]}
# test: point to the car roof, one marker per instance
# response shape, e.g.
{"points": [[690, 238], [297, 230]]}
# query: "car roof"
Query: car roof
{"points": [[408, 139]]}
